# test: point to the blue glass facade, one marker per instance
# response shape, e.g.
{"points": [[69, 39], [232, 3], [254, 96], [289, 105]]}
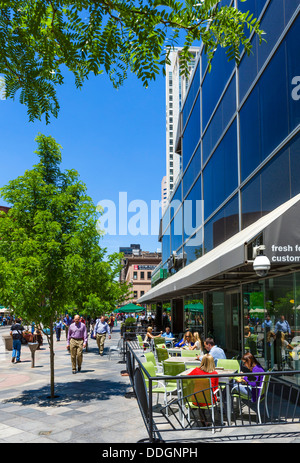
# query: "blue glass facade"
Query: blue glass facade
{"points": [[240, 137], [240, 147]]}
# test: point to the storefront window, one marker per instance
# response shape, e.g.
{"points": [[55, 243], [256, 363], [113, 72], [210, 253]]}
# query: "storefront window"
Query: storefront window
{"points": [[271, 322], [216, 322], [193, 314]]}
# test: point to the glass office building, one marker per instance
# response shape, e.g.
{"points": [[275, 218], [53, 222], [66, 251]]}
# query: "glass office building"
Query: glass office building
{"points": [[239, 139]]}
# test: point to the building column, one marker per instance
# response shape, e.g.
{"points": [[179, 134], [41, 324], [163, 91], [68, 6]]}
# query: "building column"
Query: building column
{"points": [[158, 317], [177, 315]]}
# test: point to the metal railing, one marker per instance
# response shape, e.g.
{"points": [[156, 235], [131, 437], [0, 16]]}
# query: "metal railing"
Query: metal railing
{"points": [[195, 405]]}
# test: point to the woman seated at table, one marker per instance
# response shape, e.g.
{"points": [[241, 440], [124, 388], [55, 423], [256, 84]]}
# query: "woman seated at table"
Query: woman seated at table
{"points": [[149, 336], [187, 341], [207, 367], [198, 344], [249, 385]]}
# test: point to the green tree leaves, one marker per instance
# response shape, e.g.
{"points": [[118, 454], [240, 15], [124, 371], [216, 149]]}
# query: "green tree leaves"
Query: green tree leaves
{"points": [[40, 39], [49, 246]]}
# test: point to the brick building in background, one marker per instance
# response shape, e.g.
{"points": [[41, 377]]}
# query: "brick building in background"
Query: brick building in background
{"points": [[137, 269]]}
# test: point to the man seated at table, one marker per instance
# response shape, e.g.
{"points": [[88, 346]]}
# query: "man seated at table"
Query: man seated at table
{"points": [[216, 352], [167, 334]]}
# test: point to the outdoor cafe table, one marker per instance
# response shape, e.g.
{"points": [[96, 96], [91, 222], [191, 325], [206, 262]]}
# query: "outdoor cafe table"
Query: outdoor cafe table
{"points": [[174, 350], [224, 380], [169, 340], [190, 360], [177, 350]]}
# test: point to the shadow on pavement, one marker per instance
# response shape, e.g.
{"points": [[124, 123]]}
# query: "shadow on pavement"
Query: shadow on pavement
{"points": [[81, 391]]}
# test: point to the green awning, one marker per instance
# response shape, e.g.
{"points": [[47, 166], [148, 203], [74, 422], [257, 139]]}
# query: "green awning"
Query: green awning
{"points": [[197, 307], [129, 308]]}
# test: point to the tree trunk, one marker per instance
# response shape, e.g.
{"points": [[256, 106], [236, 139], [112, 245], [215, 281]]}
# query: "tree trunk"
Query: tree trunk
{"points": [[51, 345]]}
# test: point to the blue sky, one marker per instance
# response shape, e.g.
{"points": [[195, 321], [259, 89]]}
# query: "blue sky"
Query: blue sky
{"points": [[115, 139]]}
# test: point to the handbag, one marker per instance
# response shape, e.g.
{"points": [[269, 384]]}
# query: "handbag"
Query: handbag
{"points": [[22, 339]]}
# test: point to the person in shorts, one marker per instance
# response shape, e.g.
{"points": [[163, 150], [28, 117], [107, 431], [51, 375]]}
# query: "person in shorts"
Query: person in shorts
{"points": [[16, 332]]}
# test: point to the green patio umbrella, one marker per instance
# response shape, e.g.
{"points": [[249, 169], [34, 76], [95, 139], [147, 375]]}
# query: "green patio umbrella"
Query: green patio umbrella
{"points": [[197, 307], [129, 308]]}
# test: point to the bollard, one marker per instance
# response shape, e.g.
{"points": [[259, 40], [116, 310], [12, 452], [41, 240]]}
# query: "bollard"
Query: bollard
{"points": [[8, 341], [33, 347]]}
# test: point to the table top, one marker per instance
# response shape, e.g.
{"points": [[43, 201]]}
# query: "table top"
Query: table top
{"points": [[183, 359], [219, 371], [178, 350]]}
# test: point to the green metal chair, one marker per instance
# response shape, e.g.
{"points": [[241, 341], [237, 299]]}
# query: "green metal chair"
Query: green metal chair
{"points": [[158, 341], [229, 364], [198, 394], [140, 340], [173, 369], [262, 397], [141, 343], [158, 387], [150, 357], [162, 354]]}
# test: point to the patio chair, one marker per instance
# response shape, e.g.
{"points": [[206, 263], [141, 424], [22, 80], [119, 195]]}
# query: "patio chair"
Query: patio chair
{"points": [[150, 357], [119, 348], [262, 392], [140, 340], [141, 343], [162, 354], [198, 394], [173, 369], [229, 364], [158, 387], [158, 341]]}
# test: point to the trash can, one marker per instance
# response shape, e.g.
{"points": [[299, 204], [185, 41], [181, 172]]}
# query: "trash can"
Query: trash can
{"points": [[8, 341]]}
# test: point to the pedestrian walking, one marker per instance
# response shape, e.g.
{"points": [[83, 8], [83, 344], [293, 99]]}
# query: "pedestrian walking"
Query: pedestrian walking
{"points": [[67, 322], [77, 340], [111, 322], [100, 331], [17, 331], [58, 327]]}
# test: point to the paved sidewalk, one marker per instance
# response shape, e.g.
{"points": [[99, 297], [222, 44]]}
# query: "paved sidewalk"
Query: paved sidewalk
{"points": [[91, 407]]}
